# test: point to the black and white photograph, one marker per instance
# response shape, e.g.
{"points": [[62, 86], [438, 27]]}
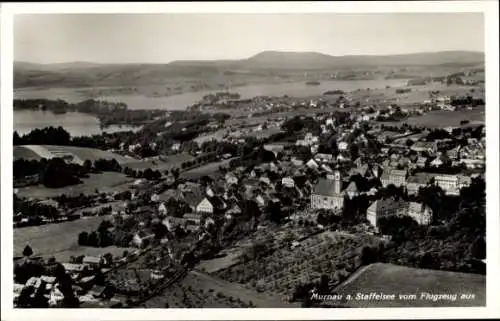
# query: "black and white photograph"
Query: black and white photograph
{"points": [[218, 160]]}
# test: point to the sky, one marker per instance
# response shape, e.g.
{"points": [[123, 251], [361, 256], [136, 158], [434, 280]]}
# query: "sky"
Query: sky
{"points": [[161, 38]]}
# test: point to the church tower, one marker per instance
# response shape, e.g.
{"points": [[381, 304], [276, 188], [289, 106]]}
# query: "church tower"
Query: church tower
{"points": [[337, 182]]}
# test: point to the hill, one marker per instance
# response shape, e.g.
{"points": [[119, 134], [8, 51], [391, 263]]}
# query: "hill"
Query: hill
{"points": [[395, 279], [86, 74]]}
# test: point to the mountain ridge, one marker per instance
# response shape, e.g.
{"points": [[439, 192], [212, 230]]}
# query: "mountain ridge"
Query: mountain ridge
{"points": [[84, 74], [263, 54]]}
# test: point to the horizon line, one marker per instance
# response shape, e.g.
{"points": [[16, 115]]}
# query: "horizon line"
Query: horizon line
{"points": [[248, 57]]}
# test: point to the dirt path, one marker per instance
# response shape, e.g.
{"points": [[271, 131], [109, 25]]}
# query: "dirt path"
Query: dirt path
{"points": [[261, 300]]}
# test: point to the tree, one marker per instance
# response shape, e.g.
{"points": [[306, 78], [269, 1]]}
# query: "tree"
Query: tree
{"points": [[478, 248], [27, 252], [93, 239], [274, 209], [323, 286], [250, 209], [367, 256]]}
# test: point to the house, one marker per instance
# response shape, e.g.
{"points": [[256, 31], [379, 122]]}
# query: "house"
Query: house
{"points": [[55, 296], [275, 148], [205, 206], [384, 208], [341, 158], [142, 239], [417, 181], [217, 188], [323, 158], [451, 184], [309, 139], [327, 193], [193, 217], [297, 162], [327, 168], [423, 147], [358, 162], [176, 147], [342, 146], [364, 170], [93, 261], [218, 204], [352, 189], [162, 209], [421, 213], [421, 161], [193, 198], [168, 222], [73, 268], [235, 210], [312, 164], [288, 182], [436, 162], [231, 179], [265, 180], [394, 176]]}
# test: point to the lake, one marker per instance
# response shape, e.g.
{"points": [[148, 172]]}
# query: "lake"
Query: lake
{"points": [[77, 124], [181, 101]]}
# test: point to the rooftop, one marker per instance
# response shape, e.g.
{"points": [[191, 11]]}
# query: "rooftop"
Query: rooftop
{"points": [[325, 187]]}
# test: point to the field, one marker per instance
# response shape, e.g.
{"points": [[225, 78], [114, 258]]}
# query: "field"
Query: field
{"points": [[171, 162], [104, 182], [60, 240], [208, 169], [226, 259], [199, 290], [444, 118], [80, 154], [331, 253], [394, 279]]}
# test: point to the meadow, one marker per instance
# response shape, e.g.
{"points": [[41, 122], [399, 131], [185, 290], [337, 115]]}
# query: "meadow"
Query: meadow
{"points": [[446, 118], [200, 290], [104, 182], [59, 240], [395, 279], [38, 152]]}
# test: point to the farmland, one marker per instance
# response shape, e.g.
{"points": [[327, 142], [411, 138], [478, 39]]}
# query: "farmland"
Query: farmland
{"points": [[394, 279], [208, 169], [80, 154], [60, 240], [171, 161], [330, 253], [104, 182], [444, 118]]}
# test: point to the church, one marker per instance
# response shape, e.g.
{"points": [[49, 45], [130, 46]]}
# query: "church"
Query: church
{"points": [[327, 193]]}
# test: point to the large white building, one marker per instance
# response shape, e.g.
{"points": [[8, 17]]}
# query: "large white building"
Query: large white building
{"points": [[394, 176], [451, 184], [421, 213]]}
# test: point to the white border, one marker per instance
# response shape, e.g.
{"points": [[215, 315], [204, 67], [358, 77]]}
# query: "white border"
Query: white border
{"points": [[490, 10]]}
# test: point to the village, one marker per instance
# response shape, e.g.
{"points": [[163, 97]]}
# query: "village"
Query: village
{"points": [[326, 171]]}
